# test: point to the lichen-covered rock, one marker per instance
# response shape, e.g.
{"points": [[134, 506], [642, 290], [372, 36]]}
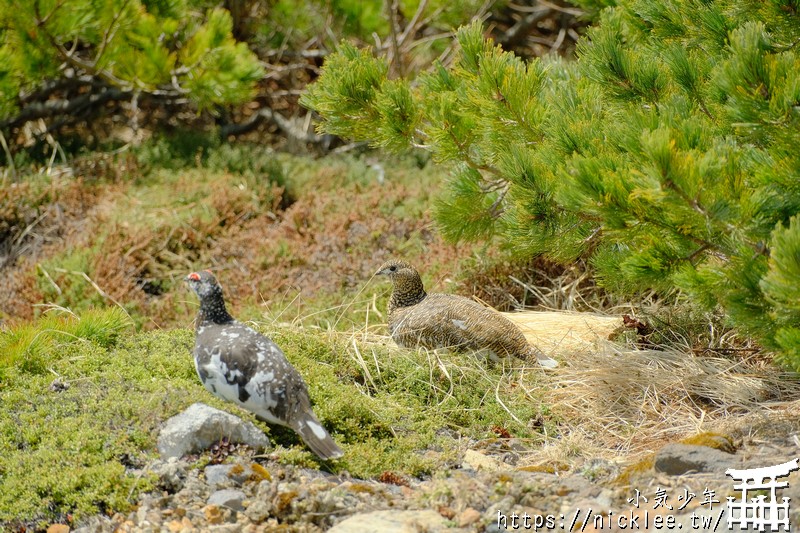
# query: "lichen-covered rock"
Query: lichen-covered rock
{"points": [[392, 522], [200, 426], [677, 459], [171, 473], [217, 475]]}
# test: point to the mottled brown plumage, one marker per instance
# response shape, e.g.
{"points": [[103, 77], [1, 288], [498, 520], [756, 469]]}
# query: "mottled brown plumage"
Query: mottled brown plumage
{"points": [[449, 321]]}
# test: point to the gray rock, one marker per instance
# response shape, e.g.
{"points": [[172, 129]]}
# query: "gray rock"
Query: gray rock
{"points": [[477, 461], [392, 522], [236, 474], [95, 524], [230, 498], [677, 459], [200, 426], [217, 474]]}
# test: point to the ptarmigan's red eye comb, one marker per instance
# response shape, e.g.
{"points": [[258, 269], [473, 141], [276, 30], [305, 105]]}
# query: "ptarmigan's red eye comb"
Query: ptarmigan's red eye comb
{"points": [[194, 276]]}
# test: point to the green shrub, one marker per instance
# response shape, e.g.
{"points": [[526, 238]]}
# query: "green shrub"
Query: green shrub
{"points": [[159, 52], [30, 345]]}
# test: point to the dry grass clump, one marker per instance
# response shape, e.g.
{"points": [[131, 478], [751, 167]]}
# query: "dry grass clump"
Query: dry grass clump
{"points": [[133, 246], [142, 260], [614, 400], [36, 217], [38, 211], [609, 400], [538, 283], [561, 333], [661, 392]]}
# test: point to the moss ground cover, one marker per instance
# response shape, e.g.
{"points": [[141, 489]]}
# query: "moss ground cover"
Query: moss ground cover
{"points": [[79, 425]]}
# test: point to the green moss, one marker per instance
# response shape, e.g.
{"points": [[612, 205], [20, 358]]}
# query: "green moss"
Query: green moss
{"points": [[718, 441], [30, 345], [630, 473], [78, 450]]}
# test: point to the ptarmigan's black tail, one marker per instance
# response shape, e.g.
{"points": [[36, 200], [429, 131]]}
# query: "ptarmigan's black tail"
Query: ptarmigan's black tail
{"points": [[316, 437]]}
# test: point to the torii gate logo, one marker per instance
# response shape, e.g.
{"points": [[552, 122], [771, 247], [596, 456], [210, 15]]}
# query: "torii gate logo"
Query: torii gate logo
{"points": [[757, 512]]}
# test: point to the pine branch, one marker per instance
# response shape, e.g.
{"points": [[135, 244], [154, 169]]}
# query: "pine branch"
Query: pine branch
{"points": [[519, 31], [107, 34], [411, 27], [496, 210], [728, 228], [692, 256], [43, 20], [705, 245], [266, 114], [705, 110], [50, 87], [555, 7], [391, 7], [463, 151], [70, 57], [50, 107]]}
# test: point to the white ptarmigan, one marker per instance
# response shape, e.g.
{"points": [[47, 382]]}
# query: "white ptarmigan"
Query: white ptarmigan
{"points": [[438, 320], [238, 364]]}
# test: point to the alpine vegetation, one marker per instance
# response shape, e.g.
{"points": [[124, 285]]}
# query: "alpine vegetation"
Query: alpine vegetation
{"points": [[665, 155]]}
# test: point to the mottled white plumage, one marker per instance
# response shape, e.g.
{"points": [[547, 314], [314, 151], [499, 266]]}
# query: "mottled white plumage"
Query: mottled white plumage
{"points": [[239, 364]]}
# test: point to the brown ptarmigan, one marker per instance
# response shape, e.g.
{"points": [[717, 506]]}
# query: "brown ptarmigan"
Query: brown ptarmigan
{"points": [[449, 321], [238, 364]]}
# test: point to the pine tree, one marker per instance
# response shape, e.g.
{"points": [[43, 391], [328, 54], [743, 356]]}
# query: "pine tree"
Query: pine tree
{"points": [[111, 50], [666, 153]]}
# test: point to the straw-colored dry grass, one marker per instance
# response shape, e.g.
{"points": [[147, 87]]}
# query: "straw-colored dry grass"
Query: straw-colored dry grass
{"points": [[561, 333], [607, 399], [616, 401]]}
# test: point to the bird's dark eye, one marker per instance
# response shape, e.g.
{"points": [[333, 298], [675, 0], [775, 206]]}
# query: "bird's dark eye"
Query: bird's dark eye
{"points": [[392, 268]]}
